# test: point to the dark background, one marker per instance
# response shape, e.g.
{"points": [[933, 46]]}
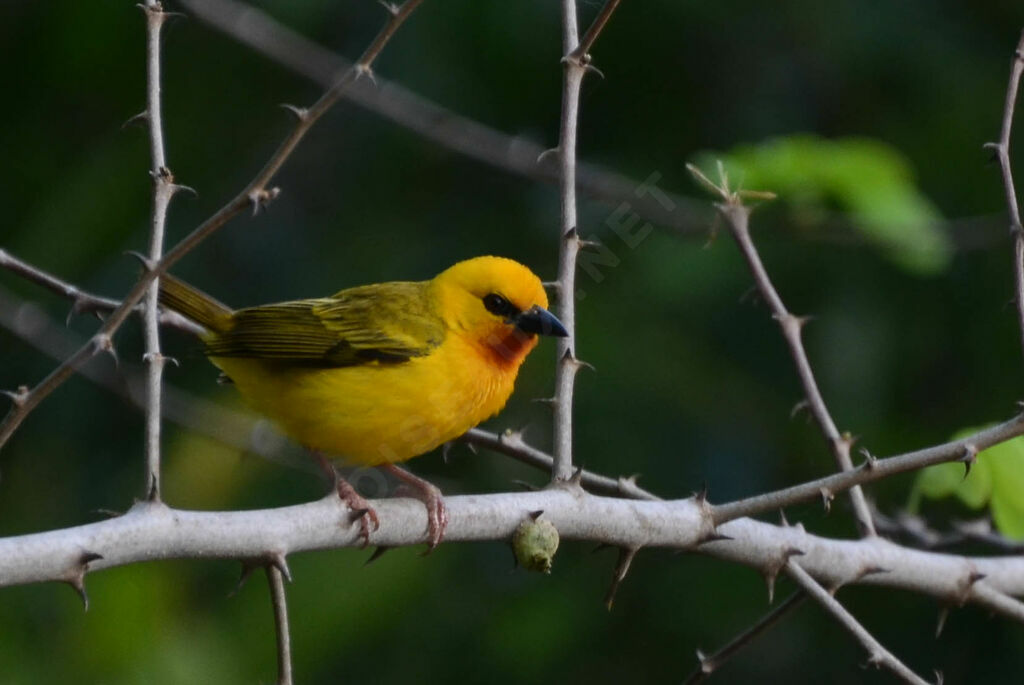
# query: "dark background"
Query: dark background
{"points": [[693, 383]]}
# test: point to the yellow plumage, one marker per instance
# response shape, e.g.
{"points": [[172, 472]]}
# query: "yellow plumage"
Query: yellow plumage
{"points": [[381, 373]]}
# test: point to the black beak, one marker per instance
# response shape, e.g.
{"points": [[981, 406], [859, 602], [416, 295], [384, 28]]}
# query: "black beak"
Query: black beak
{"points": [[539, 321]]}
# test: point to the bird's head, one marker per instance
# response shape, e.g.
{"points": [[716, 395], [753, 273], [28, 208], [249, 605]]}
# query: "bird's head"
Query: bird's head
{"points": [[497, 303]]}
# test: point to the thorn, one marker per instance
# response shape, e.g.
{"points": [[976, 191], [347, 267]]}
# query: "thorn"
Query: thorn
{"points": [[135, 119], [536, 514], [109, 513], [939, 678], [75, 577], [18, 397], [875, 660], [550, 152], [89, 557], [628, 483], [390, 7], [826, 499], [247, 569], [571, 234], [378, 552], [870, 460], [101, 342], [529, 487], [601, 546], [701, 496], [970, 455], [78, 584], [943, 615], [589, 68], [705, 663], [782, 518], [446, 450], [769, 578], [859, 576], [182, 188], [364, 71], [143, 259], [714, 536], [552, 285], [771, 573], [626, 555], [262, 197], [158, 358], [278, 561], [300, 113], [577, 478], [797, 408], [584, 243], [544, 400], [975, 577], [871, 571]]}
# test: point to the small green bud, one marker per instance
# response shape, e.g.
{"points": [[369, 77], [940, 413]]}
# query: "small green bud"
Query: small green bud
{"points": [[535, 543]]}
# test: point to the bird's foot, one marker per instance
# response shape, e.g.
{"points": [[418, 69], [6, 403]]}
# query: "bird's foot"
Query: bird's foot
{"points": [[361, 510], [433, 500]]}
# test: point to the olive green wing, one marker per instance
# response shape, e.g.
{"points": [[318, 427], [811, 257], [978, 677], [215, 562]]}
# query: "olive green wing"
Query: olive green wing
{"points": [[387, 323]]}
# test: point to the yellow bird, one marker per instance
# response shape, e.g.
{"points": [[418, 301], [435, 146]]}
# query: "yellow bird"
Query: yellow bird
{"points": [[378, 374]]}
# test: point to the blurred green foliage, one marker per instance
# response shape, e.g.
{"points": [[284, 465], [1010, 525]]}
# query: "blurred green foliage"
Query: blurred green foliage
{"points": [[693, 382], [865, 180], [996, 479]]}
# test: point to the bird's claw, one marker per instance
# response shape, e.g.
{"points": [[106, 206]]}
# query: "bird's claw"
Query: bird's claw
{"points": [[360, 509], [433, 500]]}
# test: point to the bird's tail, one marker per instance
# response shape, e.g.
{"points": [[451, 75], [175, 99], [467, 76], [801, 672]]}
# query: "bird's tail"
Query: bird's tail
{"points": [[179, 296]]}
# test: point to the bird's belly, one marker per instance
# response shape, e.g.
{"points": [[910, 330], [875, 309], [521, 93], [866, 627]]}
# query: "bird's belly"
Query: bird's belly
{"points": [[376, 413]]}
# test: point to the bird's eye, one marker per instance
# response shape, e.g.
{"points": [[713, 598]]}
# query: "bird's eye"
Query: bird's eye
{"points": [[499, 306]]}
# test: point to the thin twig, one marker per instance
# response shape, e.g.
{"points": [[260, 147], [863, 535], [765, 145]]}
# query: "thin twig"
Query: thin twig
{"points": [[83, 301], [1002, 149], [284, 646], [709, 664], [737, 216], [513, 445], [163, 190], [575, 67], [878, 655], [254, 195], [256, 29], [870, 471]]}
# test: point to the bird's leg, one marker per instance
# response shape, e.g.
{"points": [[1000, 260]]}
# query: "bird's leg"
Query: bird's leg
{"points": [[360, 508], [430, 495]]}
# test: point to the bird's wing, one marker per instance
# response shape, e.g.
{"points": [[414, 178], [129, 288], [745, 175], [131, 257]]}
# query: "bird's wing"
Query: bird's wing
{"points": [[387, 323]]}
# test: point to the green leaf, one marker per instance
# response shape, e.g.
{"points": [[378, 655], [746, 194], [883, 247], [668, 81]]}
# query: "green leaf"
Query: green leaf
{"points": [[996, 480], [868, 180]]}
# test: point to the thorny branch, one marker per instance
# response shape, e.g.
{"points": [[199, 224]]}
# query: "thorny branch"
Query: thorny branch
{"points": [[878, 655], [255, 195], [276, 578], [163, 190], [1002, 149], [737, 216], [258, 30], [576, 62], [708, 664]]}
